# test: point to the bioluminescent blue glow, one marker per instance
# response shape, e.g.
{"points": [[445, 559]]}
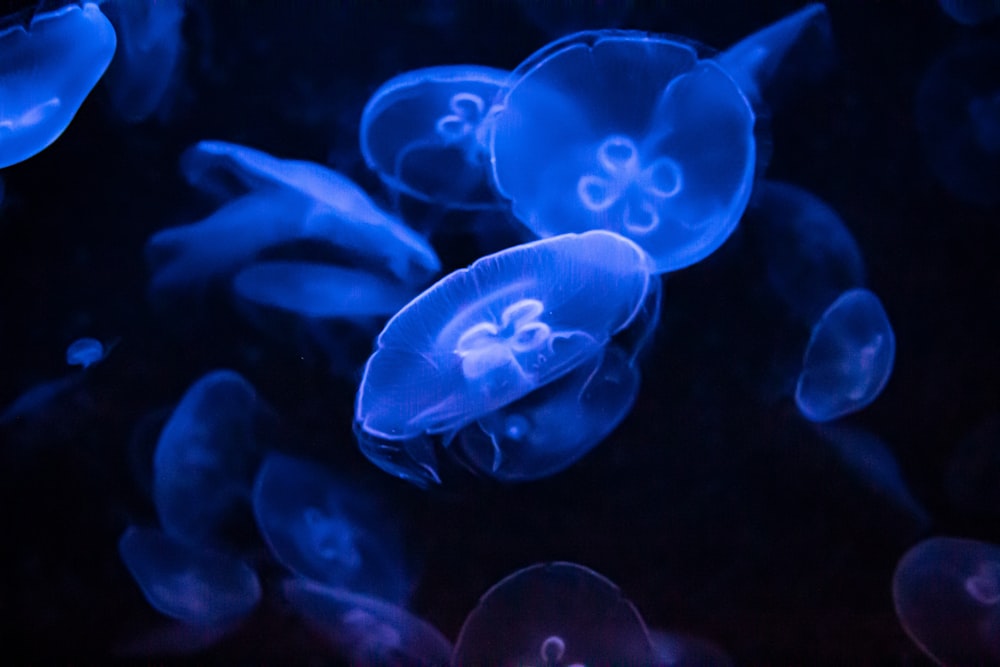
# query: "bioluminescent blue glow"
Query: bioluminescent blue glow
{"points": [[970, 12], [848, 359], [553, 614], [206, 457], [947, 595], [327, 530], [664, 156], [47, 69], [84, 352], [485, 336], [424, 132], [193, 584], [144, 68]]}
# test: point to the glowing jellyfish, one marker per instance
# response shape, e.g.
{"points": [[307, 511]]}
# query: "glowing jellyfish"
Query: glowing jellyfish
{"points": [[327, 530], [366, 630], [554, 614], [958, 115], [486, 336], [192, 584], [143, 70], [848, 359], [424, 133], [947, 595], [47, 69], [85, 352], [970, 12], [206, 457]]}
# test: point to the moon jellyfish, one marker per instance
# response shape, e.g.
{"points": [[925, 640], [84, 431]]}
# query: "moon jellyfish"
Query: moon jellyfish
{"points": [[553, 614], [84, 352], [848, 359], [323, 528], [970, 12], [664, 156], [47, 69], [958, 115], [366, 630], [424, 133], [205, 459], [192, 584], [486, 336], [947, 595]]}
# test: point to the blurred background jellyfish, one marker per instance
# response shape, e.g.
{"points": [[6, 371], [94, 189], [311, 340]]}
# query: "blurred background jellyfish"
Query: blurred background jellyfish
{"points": [[324, 529], [958, 115], [85, 352], [848, 359], [47, 69], [484, 337], [554, 614], [674, 649], [947, 595], [971, 12], [424, 132]]}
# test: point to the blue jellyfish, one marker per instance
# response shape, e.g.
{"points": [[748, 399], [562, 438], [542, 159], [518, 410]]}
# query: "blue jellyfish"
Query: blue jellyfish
{"points": [[325, 529], [958, 115], [486, 336], [848, 359], [206, 457], [554, 614], [143, 71], [47, 69], [366, 630], [85, 352], [424, 133], [947, 595], [970, 12], [192, 584]]}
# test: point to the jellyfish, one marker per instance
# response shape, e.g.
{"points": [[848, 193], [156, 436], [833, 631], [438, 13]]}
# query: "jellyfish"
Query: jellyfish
{"points": [[85, 352], [196, 585], [47, 69], [947, 596], [848, 359], [144, 70], [325, 529], [206, 457], [970, 12], [553, 614], [486, 336], [424, 133], [958, 115]]}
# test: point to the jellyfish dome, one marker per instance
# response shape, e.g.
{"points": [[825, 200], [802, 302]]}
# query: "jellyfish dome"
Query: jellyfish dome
{"points": [[664, 156]]}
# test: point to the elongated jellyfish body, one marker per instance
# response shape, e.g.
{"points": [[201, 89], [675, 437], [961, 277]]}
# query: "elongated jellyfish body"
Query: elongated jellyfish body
{"points": [[848, 359], [47, 69], [424, 132]]}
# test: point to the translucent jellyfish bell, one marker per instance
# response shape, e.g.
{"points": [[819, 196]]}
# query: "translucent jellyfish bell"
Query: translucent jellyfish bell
{"points": [[664, 156], [485, 336], [326, 530], [848, 359], [47, 69], [424, 133], [947, 595], [553, 614], [84, 352]]}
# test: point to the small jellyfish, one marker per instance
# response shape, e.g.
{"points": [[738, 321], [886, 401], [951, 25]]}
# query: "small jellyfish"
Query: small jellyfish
{"points": [[324, 529], [971, 12], [553, 614], [195, 585], [947, 595], [366, 630], [47, 69], [424, 133], [848, 359], [85, 352], [488, 335]]}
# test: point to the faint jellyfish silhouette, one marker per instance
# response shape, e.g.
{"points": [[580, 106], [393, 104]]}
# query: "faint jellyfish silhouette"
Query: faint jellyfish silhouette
{"points": [[677, 650], [364, 629], [958, 115], [947, 596], [424, 133], [84, 352], [192, 584], [970, 12], [324, 529], [553, 614], [47, 69], [206, 457], [848, 359]]}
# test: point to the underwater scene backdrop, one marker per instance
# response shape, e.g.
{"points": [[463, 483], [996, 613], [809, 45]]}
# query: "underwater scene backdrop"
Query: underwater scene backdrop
{"points": [[772, 379]]}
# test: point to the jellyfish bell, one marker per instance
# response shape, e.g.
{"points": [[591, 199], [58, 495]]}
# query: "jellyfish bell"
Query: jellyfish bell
{"points": [[947, 597], [554, 614]]}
